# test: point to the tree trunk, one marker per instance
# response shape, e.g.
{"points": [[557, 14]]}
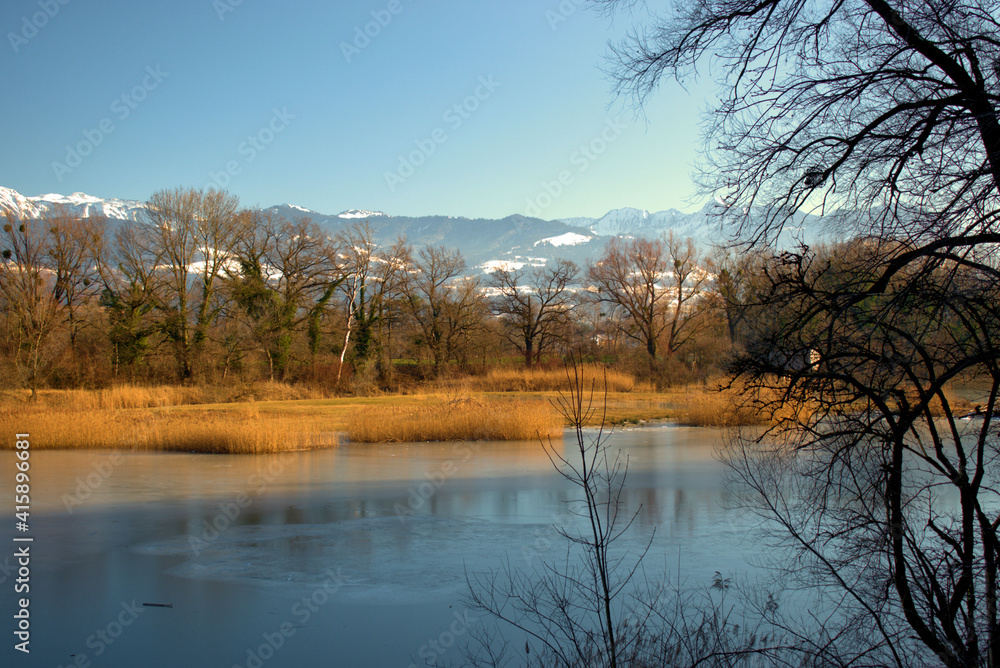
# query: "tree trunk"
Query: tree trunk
{"points": [[343, 351]]}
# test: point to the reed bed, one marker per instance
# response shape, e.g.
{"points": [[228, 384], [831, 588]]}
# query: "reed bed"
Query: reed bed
{"points": [[128, 396], [520, 379], [243, 430], [470, 419], [728, 408], [161, 396], [704, 408], [957, 403]]}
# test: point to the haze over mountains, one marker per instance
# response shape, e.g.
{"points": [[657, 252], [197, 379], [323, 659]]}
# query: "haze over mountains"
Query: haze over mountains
{"points": [[514, 241]]}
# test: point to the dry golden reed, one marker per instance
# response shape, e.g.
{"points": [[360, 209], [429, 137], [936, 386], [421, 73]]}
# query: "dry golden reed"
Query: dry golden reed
{"points": [[520, 379], [139, 396], [472, 419], [240, 431], [701, 408]]}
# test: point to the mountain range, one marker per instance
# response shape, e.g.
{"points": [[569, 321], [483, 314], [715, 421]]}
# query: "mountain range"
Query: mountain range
{"points": [[514, 241]]}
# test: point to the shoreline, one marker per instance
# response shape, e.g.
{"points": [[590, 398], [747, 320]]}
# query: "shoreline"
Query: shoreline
{"points": [[288, 425]]}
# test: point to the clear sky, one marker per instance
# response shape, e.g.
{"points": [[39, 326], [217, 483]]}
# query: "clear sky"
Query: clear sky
{"points": [[458, 107]]}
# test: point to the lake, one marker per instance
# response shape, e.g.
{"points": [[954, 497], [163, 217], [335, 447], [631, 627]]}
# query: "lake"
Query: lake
{"points": [[351, 556]]}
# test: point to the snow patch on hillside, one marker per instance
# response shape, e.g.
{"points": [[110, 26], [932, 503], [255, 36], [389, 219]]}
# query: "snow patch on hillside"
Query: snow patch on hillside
{"points": [[568, 239], [361, 213], [502, 265]]}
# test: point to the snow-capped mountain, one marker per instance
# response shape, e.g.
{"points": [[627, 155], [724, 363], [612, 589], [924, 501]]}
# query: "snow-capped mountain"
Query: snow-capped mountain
{"points": [[15, 203], [704, 225], [78, 204], [515, 241], [483, 242]]}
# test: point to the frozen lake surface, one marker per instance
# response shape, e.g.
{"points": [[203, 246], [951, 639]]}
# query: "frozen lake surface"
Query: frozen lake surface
{"points": [[352, 556]]}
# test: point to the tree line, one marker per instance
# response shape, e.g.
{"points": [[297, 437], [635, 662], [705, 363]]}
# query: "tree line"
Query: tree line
{"points": [[204, 290]]}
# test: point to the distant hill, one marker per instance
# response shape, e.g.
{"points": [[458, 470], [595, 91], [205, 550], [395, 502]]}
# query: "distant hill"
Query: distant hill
{"points": [[485, 243]]}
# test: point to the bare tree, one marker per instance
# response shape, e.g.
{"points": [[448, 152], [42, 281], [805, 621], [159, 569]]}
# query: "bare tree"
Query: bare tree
{"points": [[656, 284], [686, 285], [77, 244], [733, 286], [29, 294], [572, 616], [192, 234], [591, 609], [128, 277], [50, 274], [358, 253], [883, 116], [627, 278], [380, 307], [286, 274], [371, 280], [534, 306], [869, 441], [865, 105], [441, 303], [466, 312]]}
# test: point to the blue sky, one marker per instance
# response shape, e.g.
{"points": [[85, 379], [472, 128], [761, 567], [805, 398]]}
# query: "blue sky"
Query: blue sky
{"points": [[470, 108]]}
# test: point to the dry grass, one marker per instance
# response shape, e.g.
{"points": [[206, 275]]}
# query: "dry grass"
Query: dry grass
{"points": [[125, 396], [731, 406], [275, 417], [718, 408], [520, 379], [243, 430], [138, 396], [472, 419], [956, 403], [173, 419]]}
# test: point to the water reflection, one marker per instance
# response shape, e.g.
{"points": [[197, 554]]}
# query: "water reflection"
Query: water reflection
{"points": [[233, 542]]}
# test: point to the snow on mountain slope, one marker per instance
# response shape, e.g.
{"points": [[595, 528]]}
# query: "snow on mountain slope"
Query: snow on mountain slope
{"points": [[16, 204], [703, 226], [568, 239], [361, 213], [79, 204]]}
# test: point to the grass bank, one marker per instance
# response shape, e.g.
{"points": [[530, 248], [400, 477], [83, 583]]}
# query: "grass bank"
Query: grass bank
{"points": [[272, 417]]}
